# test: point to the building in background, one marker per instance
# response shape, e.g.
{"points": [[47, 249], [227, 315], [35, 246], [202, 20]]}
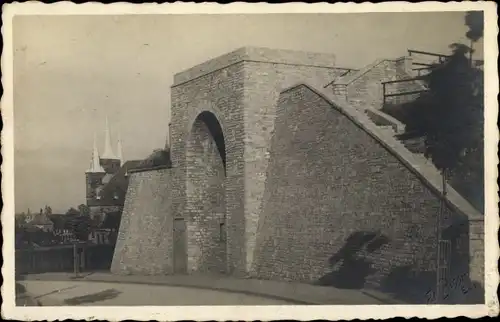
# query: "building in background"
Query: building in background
{"points": [[42, 222], [107, 178]]}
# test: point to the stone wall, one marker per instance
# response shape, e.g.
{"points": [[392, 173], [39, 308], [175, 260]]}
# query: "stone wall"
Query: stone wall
{"points": [[340, 209], [220, 93], [364, 87], [241, 89], [144, 243], [263, 83], [367, 86], [475, 254], [206, 209], [303, 186]]}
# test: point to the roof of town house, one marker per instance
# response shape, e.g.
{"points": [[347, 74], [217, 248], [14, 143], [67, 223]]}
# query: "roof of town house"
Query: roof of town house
{"points": [[40, 220], [58, 220], [117, 183]]}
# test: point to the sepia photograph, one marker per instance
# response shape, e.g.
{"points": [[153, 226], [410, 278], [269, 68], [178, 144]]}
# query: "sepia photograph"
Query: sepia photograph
{"points": [[249, 158]]}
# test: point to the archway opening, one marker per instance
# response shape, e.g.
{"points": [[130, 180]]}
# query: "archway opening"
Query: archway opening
{"points": [[206, 197], [215, 130]]}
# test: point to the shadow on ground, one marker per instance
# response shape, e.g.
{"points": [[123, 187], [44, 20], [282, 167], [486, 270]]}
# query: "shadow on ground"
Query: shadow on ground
{"points": [[411, 286], [91, 298], [352, 266], [22, 298], [20, 289]]}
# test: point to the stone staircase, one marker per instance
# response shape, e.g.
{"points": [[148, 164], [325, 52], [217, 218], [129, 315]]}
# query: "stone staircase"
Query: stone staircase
{"points": [[409, 84], [388, 81], [415, 145], [357, 98]]}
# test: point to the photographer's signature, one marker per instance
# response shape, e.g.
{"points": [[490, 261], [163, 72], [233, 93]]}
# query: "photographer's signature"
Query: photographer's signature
{"points": [[460, 283]]}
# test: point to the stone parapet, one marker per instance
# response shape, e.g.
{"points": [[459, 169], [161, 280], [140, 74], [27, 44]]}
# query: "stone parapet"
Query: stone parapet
{"points": [[256, 54]]}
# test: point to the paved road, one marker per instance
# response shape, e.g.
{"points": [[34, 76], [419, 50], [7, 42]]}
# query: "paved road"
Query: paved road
{"points": [[51, 293]]}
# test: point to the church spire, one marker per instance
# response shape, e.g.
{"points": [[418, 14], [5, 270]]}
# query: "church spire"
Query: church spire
{"points": [[108, 150], [95, 164], [119, 149]]}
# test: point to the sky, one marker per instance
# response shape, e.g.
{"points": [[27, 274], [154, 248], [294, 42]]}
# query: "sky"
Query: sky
{"points": [[70, 72]]}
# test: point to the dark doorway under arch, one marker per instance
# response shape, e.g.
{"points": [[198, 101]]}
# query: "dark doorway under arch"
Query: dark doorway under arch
{"points": [[215, 130]]}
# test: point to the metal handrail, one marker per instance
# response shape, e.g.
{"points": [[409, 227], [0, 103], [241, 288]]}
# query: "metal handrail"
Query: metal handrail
{"points": [[347, 71], [424, 64], [411, 51], [406, 93], [384, 87], [404, 80]]}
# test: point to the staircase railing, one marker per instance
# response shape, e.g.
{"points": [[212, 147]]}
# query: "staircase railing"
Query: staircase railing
{"points": [[345, 72], [401, 93], [425, 67], [442, 57]]}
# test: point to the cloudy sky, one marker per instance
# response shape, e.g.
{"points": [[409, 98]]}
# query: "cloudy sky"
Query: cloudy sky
{"points": [[72, 71]]}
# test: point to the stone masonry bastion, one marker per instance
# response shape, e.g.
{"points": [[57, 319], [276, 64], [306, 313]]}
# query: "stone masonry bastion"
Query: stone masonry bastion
{"points": [[273, 174]]}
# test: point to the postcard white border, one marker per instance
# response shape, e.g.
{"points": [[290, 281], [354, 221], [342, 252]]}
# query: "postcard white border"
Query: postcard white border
{"points": [[330, 312]]}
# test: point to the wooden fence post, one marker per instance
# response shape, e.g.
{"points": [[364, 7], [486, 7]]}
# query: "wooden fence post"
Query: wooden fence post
{"points": [[383, 92], [75, 259]]}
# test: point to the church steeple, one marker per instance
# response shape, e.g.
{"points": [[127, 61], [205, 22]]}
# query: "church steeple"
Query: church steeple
{"points": [[108, 150], [119, 149], [95, 164]]}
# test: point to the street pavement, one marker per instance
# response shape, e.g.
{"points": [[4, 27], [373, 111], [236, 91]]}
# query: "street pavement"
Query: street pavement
{"points": [[103, 288], [116, 294]]}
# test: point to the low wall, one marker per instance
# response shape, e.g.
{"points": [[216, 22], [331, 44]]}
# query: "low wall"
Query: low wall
{"points": [[364, 87], [145, 236]]}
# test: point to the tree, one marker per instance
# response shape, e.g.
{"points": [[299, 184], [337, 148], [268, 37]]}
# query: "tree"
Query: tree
{"points": [[84, 210], [20, 220], [48, 210], [449, 115], [452, 123], [159, 157], [81, 226], [72, 211], [474, 20], [453, 127], [450, 118], [112, 220]]}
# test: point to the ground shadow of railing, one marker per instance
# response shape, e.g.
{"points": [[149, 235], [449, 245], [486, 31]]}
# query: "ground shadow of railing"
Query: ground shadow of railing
{"points": [[417, 287], [352, 267], [413, 285]]}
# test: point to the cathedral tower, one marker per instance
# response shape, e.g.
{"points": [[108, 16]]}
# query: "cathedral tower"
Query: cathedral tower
{"points": [[94, 176], [109, 161]]}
